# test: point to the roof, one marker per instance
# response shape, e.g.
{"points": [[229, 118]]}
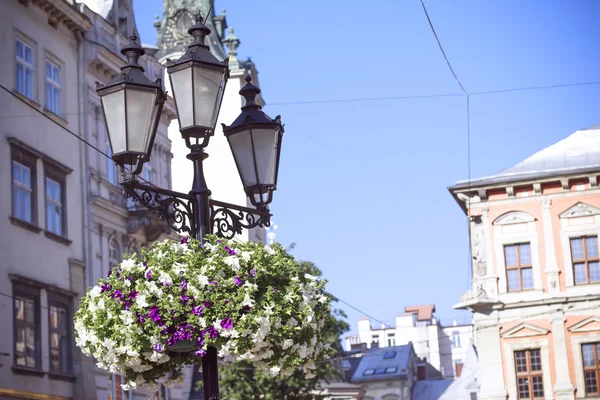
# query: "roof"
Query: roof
{"points": [[578, 153], [424, 312], [377, 367], [457, 389]]}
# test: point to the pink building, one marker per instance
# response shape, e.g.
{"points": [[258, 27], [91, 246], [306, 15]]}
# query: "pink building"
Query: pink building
{"points": [[535, 298]]}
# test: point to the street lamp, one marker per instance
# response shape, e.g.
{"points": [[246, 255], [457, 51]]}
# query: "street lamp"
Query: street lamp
{"points": [[132, 106]]}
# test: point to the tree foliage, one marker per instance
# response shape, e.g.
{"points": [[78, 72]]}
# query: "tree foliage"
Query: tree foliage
{"points": [[242, 381]]}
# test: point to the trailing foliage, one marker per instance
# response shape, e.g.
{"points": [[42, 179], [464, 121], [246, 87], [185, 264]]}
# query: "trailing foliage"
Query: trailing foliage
{"points": [[252, 302]]}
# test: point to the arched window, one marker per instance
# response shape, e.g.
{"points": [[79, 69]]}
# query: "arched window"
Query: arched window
{"points": [[114, 254], [111, 171]]}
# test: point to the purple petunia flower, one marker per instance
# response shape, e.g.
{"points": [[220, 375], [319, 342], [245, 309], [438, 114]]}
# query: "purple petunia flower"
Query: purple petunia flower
{"points": [[127, 304], [183, 240], [207, 304], [253, 272], [133, 294], [117, 295], [140, 317], [148, 274], [200, 353], [197, 310], [155, 315], [183, 285], [274, 290], [158, 347], [184, 299], [130, 278], [218, 241], [200, 341], [225, 301], [237, 281], [227, 323], [213, 332], [214, 283], [246, 308], [230, 251], [105, 287], [110, 272]]}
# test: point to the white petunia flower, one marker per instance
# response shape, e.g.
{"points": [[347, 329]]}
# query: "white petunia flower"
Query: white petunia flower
{"points": [[287, 343], [179, 268], [140, 300], [310, 277], [269, 250], [246, 255], [165, 278], [128, 265], [233, 262], [95, 292], [248, 301], [274, 371]]}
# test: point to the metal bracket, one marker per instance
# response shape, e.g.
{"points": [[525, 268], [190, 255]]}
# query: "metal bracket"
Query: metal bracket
{"points": [[178, 210]]}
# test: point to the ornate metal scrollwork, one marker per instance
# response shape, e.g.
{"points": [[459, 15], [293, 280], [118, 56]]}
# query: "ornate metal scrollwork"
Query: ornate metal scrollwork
{"points": [[227, 220], [175, 208]]}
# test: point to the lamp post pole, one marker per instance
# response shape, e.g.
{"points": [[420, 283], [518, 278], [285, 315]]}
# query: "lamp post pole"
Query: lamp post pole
{"points": [[132, 106]]}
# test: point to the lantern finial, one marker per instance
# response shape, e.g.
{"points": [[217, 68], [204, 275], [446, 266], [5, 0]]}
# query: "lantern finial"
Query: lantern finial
{"points": [[249, 92], [133, 51], [199, 31]]}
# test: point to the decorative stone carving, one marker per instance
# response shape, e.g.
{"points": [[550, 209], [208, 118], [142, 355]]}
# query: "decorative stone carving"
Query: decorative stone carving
{"points": [[593, 181], [478, 246], [513, 217], [564, 183], [482, 194], [510, 191], [537, 188], [523, 330], [580, 210], [591, 324]]}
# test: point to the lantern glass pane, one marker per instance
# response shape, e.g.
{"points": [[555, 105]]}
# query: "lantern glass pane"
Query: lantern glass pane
{"points": [[265, 148], [241, 146], [114, 112], [155, 118], [181, 82], [140, 106], [207, 87]]}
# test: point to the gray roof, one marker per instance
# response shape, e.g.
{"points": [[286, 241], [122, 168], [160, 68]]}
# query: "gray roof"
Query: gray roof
{"points": [[578, 153], [374, 359], [431, 390]]}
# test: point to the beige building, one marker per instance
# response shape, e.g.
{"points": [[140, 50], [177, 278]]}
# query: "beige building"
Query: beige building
{"points": [[536, 273], [42, 226]]}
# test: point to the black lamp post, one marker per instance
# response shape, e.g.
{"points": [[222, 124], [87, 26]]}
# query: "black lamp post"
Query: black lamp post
{"points": [[132, 105]]}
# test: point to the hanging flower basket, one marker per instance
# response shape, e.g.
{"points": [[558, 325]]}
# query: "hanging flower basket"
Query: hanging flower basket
{"points": [[153, 315]]}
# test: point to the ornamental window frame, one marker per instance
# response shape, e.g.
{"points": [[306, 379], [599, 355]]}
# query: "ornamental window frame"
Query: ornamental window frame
{"points": [[28, 160], [574, 225], [509, 359], [30, 66], [58, 177], [516, 227], [580, 336]]}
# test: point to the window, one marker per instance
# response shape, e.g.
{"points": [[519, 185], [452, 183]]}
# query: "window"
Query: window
{"points": [[529, 374], [26, 328], [24, 58], [591, 368], [455, 339], [53, 87], [54, 207], [389, 355], [519, 270], [369, 371], [116, 389], [380, 371], [391, 339], [114, 254], [111, 171], [162, 393], [391, 370], [148, 173], [58, 326], [586, 266], [420, 372], [23, 178], [473, 396]]}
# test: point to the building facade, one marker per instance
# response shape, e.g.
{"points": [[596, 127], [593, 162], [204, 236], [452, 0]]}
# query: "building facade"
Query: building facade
{"points": [[42, 251], [536, 275], [442, 347]]}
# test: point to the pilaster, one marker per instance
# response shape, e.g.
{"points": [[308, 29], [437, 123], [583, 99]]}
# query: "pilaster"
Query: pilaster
{"points": [[490, 363], [552, 272], [563, 388]]}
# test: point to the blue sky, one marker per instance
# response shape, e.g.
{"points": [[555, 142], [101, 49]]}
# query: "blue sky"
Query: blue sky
{"points": [[362, 185]]}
